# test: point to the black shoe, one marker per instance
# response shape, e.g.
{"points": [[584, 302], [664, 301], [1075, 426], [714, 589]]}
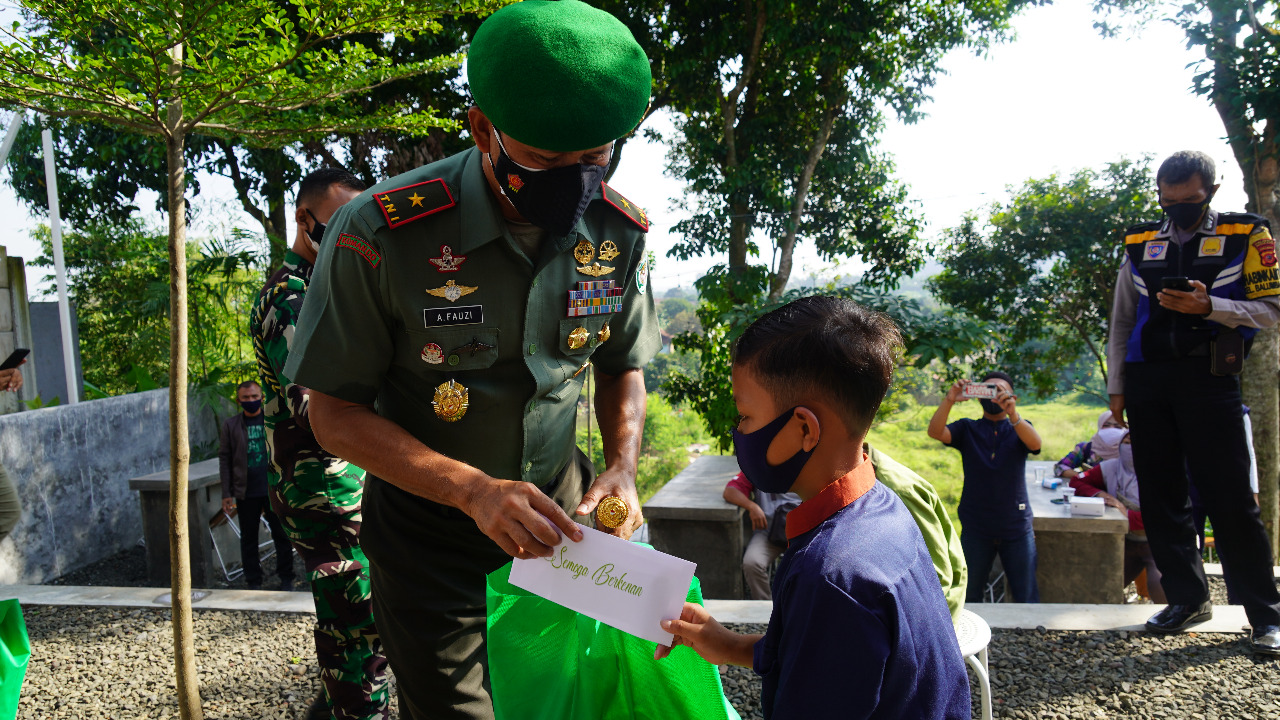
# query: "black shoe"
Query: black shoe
{"points": [[286, 585], [1265, 640], [319, 709], [1176, 618]]}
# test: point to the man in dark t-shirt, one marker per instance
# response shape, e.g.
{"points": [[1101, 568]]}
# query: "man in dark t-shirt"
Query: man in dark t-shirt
{"points": [[242, 463], [995, 515]]}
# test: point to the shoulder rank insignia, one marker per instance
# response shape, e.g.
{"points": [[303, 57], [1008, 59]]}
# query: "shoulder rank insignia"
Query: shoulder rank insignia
{"points": [[626, 207], [448, 262], [412, 202], [451, 291]]}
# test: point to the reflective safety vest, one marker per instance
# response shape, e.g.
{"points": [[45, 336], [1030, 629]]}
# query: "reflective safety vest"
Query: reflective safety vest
{"points": [[1233, 254]]}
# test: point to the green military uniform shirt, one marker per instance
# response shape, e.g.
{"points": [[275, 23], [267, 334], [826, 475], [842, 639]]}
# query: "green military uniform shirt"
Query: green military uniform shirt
{"points": [[498, 324]]}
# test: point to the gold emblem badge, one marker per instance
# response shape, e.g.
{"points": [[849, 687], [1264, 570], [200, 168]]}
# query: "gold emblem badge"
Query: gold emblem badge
{"points": [[603, 335], [432, 353], [612, 512], [448, 262], [584, 251], [578, 338], [451, 291], [451, 401], [595, 269], [608, 251]]}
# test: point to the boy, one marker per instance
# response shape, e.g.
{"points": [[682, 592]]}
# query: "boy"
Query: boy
{"points": [[860, 626]]}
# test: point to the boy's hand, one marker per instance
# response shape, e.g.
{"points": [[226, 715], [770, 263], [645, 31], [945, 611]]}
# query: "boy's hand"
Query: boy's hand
{"points": [[716, 644]]}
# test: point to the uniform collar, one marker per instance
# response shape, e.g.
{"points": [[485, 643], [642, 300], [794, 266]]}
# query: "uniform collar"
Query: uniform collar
{"points": [[833, 498], [1207, 225], [297, 264], [482, 219]]}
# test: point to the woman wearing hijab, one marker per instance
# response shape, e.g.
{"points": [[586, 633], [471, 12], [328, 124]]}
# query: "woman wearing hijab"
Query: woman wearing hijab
{"points": [[1104, 445], [1116, 483]]}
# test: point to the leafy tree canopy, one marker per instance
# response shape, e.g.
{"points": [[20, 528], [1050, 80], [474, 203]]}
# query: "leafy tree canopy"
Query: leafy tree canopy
{"points": [[1042, 267]]}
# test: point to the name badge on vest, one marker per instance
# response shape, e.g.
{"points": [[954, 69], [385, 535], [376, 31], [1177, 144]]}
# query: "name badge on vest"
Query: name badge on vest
{"points": [[1155, 249], [464, 315], [1212, 246]]}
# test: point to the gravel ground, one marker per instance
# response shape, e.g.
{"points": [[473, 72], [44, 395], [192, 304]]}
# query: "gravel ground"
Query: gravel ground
{"points": [[129, 569], [90, 662]]}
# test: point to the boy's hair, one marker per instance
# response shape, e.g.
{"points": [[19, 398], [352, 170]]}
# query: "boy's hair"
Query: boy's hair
{"points": [[826, 348], [247, 384], [315, 186], [997, 374]]}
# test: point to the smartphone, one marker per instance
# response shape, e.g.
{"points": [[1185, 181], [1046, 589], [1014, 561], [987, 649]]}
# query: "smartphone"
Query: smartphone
{"points": [[1176, 283], [980, 390], [15, 359]]}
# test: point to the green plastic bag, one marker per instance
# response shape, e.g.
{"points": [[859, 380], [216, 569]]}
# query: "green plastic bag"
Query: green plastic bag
{"points": [[15, 650], [547, 662]]}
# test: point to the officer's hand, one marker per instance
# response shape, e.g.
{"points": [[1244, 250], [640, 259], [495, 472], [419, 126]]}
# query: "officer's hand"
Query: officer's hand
{"points": [[1195, 302], [519, 517], [228, 505], [1117, 410], [619, 484]]}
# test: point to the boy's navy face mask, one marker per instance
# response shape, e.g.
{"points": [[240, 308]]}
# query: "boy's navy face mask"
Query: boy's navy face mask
{"points": [[751, 449]]}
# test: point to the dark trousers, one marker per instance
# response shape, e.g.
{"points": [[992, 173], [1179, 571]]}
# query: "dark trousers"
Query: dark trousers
{"points": [[1018, 556], [1187, 427], [427, 566], [249, 511]]}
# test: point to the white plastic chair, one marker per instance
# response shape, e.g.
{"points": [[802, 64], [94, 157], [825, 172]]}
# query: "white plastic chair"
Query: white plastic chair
{"points": [[974, 635], [224, 531]]}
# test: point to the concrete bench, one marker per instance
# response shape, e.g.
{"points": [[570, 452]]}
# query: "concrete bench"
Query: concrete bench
{"points": [[204, 500], [689, 518], [1080, 560]]}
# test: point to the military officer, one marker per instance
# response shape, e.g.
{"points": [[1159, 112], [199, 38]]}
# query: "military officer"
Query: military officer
{"points": [[315, 493], [449, 328]]}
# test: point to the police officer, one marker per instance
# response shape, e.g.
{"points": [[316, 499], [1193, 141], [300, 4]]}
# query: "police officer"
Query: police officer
{"points": [[316, 494], [449, 327], [1174, 357]]}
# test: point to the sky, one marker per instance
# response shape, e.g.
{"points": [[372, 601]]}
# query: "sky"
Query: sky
{"points": [[1055, 99]]}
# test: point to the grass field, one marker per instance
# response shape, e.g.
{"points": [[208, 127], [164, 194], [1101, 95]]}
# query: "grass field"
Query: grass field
{"points": [[1061, 424]]}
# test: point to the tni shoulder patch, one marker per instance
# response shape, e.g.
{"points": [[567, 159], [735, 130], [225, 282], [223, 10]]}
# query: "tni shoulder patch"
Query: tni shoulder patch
{"points": [[414, 202], [366, 251], [633, 212]]}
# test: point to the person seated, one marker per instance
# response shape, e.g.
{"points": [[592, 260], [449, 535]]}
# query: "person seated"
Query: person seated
{"points": [[860, 625], [1115, 481], [760, 552], [1104, 445]]}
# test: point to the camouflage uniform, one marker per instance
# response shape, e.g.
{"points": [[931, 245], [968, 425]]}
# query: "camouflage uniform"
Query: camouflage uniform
{"points": [[317, 496]]}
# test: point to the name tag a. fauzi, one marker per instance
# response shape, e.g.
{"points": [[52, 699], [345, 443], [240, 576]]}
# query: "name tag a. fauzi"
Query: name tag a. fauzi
{"points": [[462, 315]]}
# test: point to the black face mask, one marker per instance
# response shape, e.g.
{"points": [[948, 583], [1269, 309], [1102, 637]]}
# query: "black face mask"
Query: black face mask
{"points": [[554, 199], [1187, 215], [316, 233], [989, 407], [251, 406]]}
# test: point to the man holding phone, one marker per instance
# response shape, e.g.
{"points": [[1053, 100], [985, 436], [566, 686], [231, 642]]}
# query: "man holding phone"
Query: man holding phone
{"points": [[10, 506], [1192, 291]]}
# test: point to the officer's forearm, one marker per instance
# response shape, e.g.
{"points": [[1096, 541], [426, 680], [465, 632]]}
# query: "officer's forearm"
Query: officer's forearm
{"points": [[358, 435], [620, 407]]}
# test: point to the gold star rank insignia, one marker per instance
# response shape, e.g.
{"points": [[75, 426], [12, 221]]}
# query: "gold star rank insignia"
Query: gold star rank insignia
{"points": [[584, 252], [595, 269], [626, 207], [608, 251], [451, 290], [412, 202]]}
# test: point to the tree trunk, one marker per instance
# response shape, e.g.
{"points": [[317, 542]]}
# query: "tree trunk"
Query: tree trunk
{"points": [[184, 661], [787, 248], [1266, 390]]}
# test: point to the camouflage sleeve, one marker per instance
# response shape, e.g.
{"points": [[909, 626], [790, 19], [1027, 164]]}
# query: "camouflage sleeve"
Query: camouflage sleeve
{"points": [[277, 332]]}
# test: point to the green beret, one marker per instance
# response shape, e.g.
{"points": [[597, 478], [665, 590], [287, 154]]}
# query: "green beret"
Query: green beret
{"points": [[558, 75]]}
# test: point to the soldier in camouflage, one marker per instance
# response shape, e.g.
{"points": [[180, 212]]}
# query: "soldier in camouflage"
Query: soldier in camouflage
{"points": [[317, 495]]}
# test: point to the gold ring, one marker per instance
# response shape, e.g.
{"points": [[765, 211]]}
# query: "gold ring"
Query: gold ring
{"points": [[612, 512]]}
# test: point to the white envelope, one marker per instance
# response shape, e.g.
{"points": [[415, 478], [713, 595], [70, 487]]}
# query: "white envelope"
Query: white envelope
{"points": [[631, 587]]}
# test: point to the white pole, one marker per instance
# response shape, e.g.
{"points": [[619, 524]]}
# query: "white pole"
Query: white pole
{"points": [[11, 135], [60, 270]]}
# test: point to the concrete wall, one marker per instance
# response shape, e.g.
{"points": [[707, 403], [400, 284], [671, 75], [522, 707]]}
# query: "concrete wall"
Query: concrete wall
{"points": [[72, 464], [15, 328]]}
